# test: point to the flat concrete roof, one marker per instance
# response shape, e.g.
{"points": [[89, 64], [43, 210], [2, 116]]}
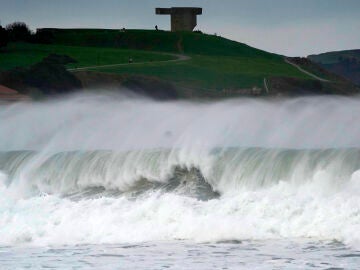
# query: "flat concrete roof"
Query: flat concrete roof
{"points": [[176, 10]]}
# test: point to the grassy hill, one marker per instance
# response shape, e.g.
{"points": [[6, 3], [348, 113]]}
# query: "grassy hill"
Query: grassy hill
{"points": [[161, 41], [26, 54], [214, 72], [214, 64]]}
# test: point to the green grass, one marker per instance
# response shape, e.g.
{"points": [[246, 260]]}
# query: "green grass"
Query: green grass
{"points": [[209, 72], [25, 54], [164, 41], [216, 63]]}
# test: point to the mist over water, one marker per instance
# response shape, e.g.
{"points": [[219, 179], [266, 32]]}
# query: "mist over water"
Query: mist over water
{"points": [[103, 169], [93, 122]]}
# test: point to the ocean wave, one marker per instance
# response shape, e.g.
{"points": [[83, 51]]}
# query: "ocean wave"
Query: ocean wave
{"points": [[94, 169], [223, 170], [273, 213]]}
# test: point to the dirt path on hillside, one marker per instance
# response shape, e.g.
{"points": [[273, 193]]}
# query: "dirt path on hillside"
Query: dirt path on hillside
{"points": [[306, 72], [180, 57]]}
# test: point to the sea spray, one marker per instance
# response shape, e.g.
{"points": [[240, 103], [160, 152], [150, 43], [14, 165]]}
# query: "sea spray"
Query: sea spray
{"points": [[94, 122], [112, 169]]}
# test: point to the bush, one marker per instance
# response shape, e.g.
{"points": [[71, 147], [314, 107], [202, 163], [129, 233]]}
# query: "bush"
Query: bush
{"points": [[49, 77], [18, 31], [4, 38], [59, 59]]}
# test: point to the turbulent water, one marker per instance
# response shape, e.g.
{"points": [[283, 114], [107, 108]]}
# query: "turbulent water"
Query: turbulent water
{"points": [[109, 179]]}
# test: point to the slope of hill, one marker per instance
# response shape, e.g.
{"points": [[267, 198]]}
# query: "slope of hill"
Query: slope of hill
{"points": [[161, 41], [216, 64], [26, 54], [335, 57], [343, 63], [213, 66]]}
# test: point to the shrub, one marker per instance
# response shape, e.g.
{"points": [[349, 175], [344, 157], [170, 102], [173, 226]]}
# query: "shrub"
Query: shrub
{"points": [[18, 31], [49, 77]]}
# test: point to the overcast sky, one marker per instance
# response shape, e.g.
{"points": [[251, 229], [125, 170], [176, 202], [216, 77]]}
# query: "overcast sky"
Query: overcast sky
{"points": [[289, 27]]}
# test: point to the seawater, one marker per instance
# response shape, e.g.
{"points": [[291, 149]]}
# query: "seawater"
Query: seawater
{"points": [[116, 182], [265, 254]]}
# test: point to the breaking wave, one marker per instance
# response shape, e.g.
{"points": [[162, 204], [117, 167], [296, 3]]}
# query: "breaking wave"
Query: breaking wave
{"points": [[110, 169]]}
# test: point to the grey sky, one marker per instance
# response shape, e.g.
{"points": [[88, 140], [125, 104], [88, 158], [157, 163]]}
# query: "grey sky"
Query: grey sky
{"points": [[290, 27]]}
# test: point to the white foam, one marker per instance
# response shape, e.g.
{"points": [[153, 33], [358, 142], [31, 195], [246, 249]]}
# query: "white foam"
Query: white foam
{"points": [[279, 212], [317, 197], [3, 179]]}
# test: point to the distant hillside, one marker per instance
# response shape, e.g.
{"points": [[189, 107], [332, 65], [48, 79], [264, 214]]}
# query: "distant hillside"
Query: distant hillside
{"points": [[343, 63], [335, 57]]}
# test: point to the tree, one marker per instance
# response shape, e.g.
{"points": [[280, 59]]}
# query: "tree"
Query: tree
{"points": [[18, 31], [4, 38]]}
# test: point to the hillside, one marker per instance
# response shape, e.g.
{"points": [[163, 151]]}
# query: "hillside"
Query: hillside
{"points": [[150, 40], [26, 54], [335, 57], [343, 63], [191, 64], [215, 64]]}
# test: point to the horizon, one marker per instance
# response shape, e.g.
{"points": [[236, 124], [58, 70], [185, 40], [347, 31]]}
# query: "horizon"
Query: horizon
{"points": [[327, 25]]}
